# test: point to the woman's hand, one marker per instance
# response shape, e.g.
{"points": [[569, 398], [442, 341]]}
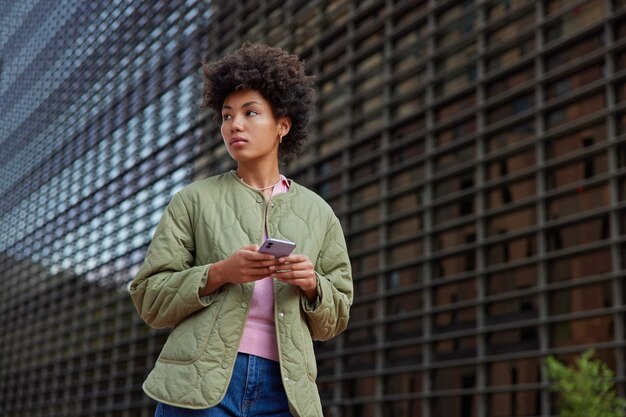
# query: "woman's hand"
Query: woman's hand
{"points": [[297, 270], [245, 265]]}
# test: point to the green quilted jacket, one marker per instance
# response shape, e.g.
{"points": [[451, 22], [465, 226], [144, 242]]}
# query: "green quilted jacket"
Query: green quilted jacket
{"points": [[206, 222]]}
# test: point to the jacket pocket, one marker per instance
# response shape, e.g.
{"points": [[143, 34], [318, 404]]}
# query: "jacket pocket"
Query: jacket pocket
{"points": [[189, 339]]}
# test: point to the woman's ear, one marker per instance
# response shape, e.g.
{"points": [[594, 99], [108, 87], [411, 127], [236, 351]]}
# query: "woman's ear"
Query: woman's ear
{"points": [[284, 124]]}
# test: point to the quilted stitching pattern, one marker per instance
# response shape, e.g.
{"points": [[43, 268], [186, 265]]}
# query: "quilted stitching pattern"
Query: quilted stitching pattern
{"points": [[204, 223]]}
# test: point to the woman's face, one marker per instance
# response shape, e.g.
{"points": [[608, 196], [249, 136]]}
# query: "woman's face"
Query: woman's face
{"points": [[249, 128]]}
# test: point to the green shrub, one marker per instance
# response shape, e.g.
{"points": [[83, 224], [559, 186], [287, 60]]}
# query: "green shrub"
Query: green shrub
{"points": [[586, 389]]}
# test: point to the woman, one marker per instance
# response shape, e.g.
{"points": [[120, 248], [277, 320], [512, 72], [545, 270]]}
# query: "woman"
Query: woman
{"points": [[244, 321]]}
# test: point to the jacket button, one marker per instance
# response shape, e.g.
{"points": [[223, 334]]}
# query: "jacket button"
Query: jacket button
{"points": [[259, 200], [280, 315], [244, 305], [273, 205], [224, 365]]}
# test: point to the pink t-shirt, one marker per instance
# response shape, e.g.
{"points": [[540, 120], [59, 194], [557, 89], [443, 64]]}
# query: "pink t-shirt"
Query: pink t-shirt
{"points": [[259, 335]]}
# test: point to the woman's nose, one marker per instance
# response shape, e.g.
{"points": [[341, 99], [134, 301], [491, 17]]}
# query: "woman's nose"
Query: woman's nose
{"points": [[236, 123]]}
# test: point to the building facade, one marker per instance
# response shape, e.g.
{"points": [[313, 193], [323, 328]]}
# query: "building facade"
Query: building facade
{"points": [[474, 150]]}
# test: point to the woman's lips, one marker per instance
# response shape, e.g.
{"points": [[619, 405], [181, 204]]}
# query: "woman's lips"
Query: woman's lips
{"points": [[237, 141]]}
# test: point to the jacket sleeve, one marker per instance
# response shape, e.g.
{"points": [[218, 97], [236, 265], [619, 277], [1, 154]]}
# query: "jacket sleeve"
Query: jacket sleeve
{"points": [[166, 288], [329, 315]]}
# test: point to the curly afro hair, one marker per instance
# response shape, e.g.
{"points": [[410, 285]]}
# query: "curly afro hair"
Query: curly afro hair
{"points": [[274, 73]]}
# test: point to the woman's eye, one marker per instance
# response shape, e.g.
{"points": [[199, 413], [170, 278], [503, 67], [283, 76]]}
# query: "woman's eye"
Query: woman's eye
{"points": [[226, 117], [251, 113]]}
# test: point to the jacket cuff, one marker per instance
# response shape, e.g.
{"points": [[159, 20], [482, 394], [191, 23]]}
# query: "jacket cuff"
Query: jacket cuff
{"points": [[308, 306], [207, 299]]}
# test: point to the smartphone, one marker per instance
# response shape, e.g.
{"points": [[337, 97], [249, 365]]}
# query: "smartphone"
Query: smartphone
{"points": [[277, 247]]}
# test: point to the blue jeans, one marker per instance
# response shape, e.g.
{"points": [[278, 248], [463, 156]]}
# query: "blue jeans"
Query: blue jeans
{"points": [[256, 389]]}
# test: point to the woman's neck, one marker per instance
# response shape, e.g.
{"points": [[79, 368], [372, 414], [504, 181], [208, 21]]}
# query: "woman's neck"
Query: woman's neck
{"points": [[259, 177]]}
